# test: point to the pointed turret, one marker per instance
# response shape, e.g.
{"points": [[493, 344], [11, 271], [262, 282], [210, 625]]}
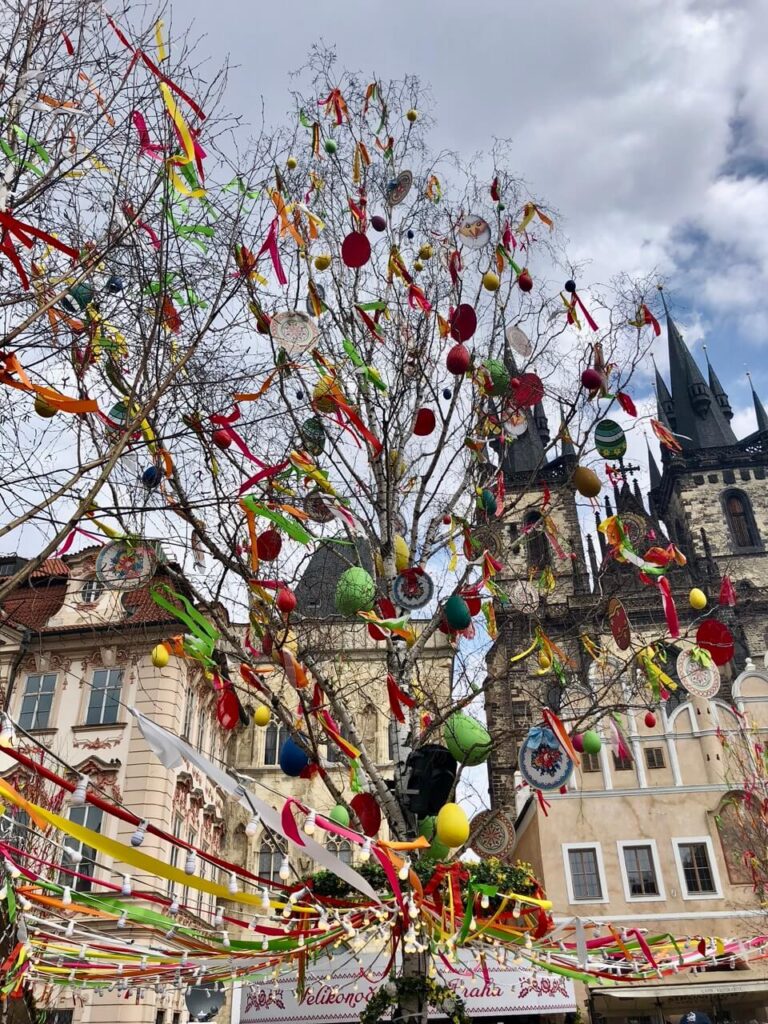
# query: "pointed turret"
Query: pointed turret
{"points": [[542, 423], [718, 390], [567, 450], [653, 468], [665, 407], [760, 413], [698, 420]]}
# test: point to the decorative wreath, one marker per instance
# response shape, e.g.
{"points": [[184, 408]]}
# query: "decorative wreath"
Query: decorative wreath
{"points": [[439, 996]]}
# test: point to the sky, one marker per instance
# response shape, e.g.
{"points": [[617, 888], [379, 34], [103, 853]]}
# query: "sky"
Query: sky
{"points": [[643, 123]]}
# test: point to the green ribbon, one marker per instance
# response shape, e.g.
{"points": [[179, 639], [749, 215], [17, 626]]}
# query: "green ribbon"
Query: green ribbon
{"points": [[368, 372], [202, 643], [294, 530]]}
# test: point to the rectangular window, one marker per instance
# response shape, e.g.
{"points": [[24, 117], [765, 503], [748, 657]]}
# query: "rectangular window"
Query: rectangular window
{"points": [[622, 764], [641, 871], [585, 874], [176, 1019], [189, 711], [160, 1017], [103, 703], [590, 762], [202, 721], [654, 757], [174, 856], [37, 701], [697, 870], [91, 818]]}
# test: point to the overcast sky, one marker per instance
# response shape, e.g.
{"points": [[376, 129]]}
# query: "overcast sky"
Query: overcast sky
{"points": [[644, 122]]}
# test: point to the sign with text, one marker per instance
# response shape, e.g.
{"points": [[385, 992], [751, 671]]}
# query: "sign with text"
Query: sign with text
{"points": [[501, 992]]}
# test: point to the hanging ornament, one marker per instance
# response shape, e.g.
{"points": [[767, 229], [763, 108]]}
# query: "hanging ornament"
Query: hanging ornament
{"points": [[413, 589], [378, 223], [340, 815], [527, 390], [491, 281], [467, 739], [285, 601], [586, 482], [610, 440], [698, 673], [368, 812], [313, 435], [152, 477], [493, 835], [424, 423], [355, 591], [262, 716], [322, 261], [269, 545], [458, 360], [121, 565], [463, 322], [227, 708], [452, 826], [398, 188], [591, 742], [222, 439], [524, 280], [457, 613], [474, 232], [697, 599], [715, 637], [518, 341], [650, 719], [494, 377], [355, 250], [619, 623], [294, 331], [160, 656], [293, 758]]}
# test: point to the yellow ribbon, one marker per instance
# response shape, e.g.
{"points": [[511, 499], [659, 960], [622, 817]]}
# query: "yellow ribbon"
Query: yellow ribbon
{"points": [[162, 51]]}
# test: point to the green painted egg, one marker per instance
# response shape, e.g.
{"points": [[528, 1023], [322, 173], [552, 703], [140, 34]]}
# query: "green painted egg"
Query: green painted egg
{"points": [[467, 739], [427, 828], [456, 612], [591, 742], [340, 815], [610, 440], [313, 435], [355, 591], [497, 378]]}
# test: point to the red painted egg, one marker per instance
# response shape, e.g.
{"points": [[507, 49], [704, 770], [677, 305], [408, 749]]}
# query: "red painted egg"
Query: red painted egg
{"points": [[424, 423], [458, 360], [650, 719], [378, 223], [463, 322], [525, 281], [269, 545], [715, 637], [591, 379], [368, 812], [227, 709], [221, 439], [527, 389], [355, 250], [285, 600], [578, 742]]}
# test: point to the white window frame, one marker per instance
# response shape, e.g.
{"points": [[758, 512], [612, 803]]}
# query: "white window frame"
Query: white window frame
{"points": [[707, 841], [91, 591], [597, 847], [621, 844]]}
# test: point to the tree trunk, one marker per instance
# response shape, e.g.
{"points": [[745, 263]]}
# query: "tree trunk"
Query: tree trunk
{"points": [[413, 1008]]}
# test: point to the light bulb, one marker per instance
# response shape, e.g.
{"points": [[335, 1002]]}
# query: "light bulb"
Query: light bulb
{"points": [[7, 732], [225, 939], [309, 824], [66, 896], [138, 836], [285, 869], [218, 921], [253, 825], [265, 944], [301, 942], [77, 797], [127, 889], [265, 905], [232, 887], [69, 931], [190, 863], [11, 868], [173, 909], [365, 853], [122, 920], [404, 871], [74, 855], [485, 901]]}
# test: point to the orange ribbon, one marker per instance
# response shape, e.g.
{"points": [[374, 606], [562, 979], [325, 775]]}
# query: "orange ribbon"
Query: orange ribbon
{"points": [[10, 365]]}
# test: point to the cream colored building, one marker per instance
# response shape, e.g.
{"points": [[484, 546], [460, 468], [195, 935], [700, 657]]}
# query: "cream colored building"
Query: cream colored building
{"points": [[81, 656], [637, 841]]}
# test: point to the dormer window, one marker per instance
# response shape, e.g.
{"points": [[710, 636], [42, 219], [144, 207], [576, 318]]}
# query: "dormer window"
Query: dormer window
{"points": [[91, 591]]}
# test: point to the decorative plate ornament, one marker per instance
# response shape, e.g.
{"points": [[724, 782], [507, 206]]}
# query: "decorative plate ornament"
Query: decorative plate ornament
{"points": [[474, 232], [610, 440], [316, 508], [514, 422], [604, 672], [715, 637], [124, 566], [320, 292], [635, 528], [294, 331], [543, 763], [492, 835], [524, 596], [619, 623], [488, 538], [519, 341], [399, 188], [699, 677], [413, 589]]}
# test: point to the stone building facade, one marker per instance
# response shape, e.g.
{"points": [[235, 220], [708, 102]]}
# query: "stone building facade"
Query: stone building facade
{"points": [[637, 840]]}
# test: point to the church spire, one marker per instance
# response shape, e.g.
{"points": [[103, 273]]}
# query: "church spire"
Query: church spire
{"points": [[718, 390], [525, 455], [665, 407], [653, 467], [760, 413], [698, 421]]}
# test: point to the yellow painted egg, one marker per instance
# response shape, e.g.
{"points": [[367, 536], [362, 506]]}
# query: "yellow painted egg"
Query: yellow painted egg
{"points": [[426, 252], [323, 261], [43, 408], [160, 656], [452, 826], [697, 599], [321, 390], [412, 115], [586, 482], [261, 716], [291, 163], [491, 281]]}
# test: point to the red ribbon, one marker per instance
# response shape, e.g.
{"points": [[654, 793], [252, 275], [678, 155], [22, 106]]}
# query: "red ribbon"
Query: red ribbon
{"points": [[576, 301], [626, 403], [270, 246], [727, 593], [670, 611], [417, 299], [147, 147], [398, 699], [454, 266], [649, 318], [334, 101], [26, 234], [131, 214]]}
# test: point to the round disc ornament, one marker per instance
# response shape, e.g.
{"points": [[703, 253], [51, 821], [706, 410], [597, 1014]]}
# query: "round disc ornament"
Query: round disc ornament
{"points": [[316, 508], [294, 331], [698, 675], [635, 529], [488, 539], [474, 232], [543, 763], [518, 341], [715, 637], [355, 250], [619, 623], [399, 188], [610, 440], [529, 390], [413, 589], [124, 566], [463, 322], [492, 835], [524, 596]]}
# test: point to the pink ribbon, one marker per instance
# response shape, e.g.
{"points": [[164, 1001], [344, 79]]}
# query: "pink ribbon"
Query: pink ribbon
{"points": [[147, 147], [670, 611], [70, 539], [270, 246]]}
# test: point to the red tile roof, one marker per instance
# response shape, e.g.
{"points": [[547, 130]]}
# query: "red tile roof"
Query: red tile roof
{"points": [[51, 567], [32, 607]]}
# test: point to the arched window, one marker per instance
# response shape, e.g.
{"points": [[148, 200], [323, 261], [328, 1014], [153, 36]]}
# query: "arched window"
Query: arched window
{"points": [[742, 831], [273, 740], [741, 520], [271, 854], [341, 847], [536, 541]]}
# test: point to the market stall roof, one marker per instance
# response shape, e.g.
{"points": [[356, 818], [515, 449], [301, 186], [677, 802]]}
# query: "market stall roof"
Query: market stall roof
{"points": [[692, 991]]}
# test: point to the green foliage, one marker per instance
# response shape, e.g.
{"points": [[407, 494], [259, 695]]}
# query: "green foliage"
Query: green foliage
{"points": [[393, 992]]}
